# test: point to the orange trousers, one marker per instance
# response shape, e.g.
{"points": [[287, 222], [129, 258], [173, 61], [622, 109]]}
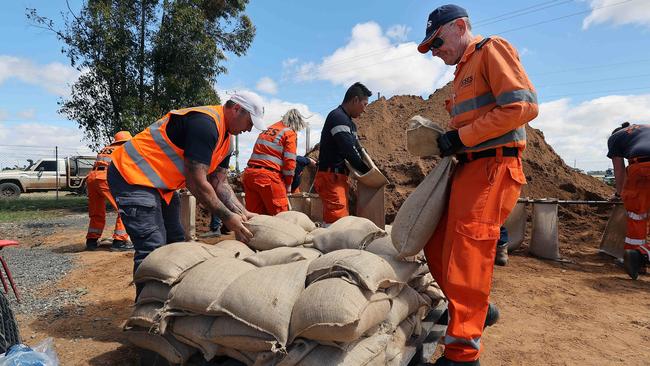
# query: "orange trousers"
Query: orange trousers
{"points": [[98, 194], [332, 189], [461, 252], [636, 199], [265, 191]]}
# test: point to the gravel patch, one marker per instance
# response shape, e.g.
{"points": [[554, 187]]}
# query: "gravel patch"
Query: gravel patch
{"points": [[31, 231], [34, 271]]}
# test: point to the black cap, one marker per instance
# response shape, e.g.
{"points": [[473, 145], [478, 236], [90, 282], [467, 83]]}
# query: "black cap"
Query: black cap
{"points": [[439, 17]]}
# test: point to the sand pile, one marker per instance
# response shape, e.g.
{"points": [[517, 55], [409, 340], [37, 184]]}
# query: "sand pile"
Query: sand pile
{"points": [[382, 132]]}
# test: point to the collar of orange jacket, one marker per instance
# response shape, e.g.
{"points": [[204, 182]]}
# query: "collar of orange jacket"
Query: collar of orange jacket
{"points": [[468, 51]]}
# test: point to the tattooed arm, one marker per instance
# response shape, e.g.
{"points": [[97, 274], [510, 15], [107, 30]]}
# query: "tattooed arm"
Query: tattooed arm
{"points": [[219, 181], [197, 182]]}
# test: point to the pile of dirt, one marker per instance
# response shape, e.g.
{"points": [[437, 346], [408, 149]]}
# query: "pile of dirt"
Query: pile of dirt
{"points": [[382, 131]]}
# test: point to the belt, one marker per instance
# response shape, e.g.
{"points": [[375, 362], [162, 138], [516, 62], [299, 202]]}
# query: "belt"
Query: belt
{"points": [[101, 167], [506, 151], [263, 167], [335, 170], [641, 159]]}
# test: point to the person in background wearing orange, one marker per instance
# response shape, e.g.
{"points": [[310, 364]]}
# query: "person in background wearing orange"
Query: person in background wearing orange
{"points": [[632, 142], [268, 177], [98, 194], [491, 101], [339, 143]]}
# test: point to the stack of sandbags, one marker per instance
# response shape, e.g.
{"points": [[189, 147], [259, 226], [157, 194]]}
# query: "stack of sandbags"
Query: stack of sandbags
{"points": [[308, 296], [158, 273]]}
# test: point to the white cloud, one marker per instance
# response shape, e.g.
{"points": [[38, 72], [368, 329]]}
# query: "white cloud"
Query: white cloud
{"points": [[385, 67], [33, 140], [53, 77], [27, 114], [579, 132], [3, 115], [274, 109], [267, 85], [398, 32], [618, 12]]}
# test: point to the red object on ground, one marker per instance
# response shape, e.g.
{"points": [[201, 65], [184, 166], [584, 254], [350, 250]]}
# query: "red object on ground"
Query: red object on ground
{"points": [[8, 243]]}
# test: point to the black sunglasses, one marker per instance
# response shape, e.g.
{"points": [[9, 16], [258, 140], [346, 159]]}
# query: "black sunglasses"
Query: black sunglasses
{"points": [[436, 43]]}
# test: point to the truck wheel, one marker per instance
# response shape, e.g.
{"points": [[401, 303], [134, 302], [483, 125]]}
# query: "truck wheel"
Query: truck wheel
{"points": [[9, 190], [9, 334]]}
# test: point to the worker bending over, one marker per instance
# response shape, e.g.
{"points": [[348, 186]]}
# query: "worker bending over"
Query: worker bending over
{"points": [[301, 163], [99, 193], [270, 171], [492, 100], [338, 143], [632, 142], [187, 147]]}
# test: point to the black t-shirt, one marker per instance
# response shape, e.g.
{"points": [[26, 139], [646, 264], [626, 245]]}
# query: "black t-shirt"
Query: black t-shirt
{"points": [[630, 142], [339, 142], [197, 134]]}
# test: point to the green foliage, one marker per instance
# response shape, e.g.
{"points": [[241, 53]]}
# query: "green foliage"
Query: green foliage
{"points": [[142, 58]]}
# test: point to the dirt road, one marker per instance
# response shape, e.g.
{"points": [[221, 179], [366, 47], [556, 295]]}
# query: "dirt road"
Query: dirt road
{"points": [[582, 313]]}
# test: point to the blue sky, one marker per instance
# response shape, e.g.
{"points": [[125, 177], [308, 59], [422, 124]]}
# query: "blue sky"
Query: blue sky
{"points": [[588, 59]]}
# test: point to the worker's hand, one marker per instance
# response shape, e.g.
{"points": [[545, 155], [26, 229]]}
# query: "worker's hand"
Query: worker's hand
{"points": [[235, 223], [450, 143], [312, 162], [615, 197], [249, 215]]}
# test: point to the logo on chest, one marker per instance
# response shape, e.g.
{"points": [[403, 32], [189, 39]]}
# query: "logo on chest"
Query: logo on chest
{"points": [[466, 81]]}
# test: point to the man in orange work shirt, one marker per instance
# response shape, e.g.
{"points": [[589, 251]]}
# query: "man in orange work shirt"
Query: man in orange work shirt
{"points": [[98, 194], [492, 101], [632, 142], [270, 171]]}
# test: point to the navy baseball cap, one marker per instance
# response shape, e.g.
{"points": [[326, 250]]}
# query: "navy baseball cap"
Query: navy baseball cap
{"points": [[439, 17]]}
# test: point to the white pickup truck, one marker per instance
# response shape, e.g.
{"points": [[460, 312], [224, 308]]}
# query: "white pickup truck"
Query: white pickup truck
{"points": [[42, 176]]}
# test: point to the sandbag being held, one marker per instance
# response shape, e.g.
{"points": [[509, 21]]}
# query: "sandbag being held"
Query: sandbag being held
{"points": [[271, 232], [422, 137], [418, 217]]}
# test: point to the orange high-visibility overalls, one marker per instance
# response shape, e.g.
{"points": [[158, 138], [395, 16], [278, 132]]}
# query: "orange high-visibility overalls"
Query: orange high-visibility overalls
{"points": [[270, 170], [98, 194], [492, 101]]}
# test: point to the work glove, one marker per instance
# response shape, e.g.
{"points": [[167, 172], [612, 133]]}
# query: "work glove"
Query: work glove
{"points": [[450, 143]]}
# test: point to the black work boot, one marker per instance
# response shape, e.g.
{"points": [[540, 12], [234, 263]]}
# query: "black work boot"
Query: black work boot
{"points": [[121, 246], [501, 259], [492, 316], [632, 261], [444, 361], [91, 244]]}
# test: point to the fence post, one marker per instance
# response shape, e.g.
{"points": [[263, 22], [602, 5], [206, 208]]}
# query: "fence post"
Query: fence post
{"points": [[56, 158]]}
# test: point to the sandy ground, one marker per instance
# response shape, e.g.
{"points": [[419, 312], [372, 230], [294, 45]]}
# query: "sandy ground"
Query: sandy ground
{"points": [[582, 313]]}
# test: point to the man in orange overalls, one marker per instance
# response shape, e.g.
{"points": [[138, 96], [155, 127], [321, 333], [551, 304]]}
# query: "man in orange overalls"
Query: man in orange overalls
{"points": [[492, 101], [98, 194], [632, 142], [270, 171]]}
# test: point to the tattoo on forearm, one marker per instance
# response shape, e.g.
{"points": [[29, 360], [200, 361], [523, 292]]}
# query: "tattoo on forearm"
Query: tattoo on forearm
{"points": [[196, 174]]}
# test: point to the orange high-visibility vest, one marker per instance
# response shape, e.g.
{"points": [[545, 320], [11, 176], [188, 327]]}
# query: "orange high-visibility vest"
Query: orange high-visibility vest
{"points": [[275, 149], [150, 159], [492, 96]]}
